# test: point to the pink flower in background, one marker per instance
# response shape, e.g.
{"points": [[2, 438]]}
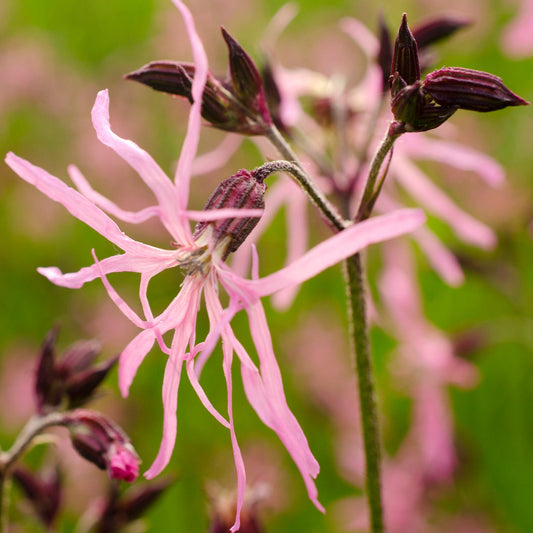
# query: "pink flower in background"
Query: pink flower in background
{"points": [[202, 258], [517, 39]]}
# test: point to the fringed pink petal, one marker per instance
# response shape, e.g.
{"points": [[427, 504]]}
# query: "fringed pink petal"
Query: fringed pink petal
{"points": [[75, 203], [107, 205], [284, 422], [183, 335], [214, 309], [190, 144], [456, 155], [200, 392], [432, 198], [161, 260], [226, 212], [517, 40], [131, 358], [171, 383], [339, 247], [362, 36], [145, 166]]}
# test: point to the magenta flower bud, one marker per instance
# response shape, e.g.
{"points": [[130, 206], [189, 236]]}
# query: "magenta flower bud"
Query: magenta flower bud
{"points": [[469, 89], [103, 443], [405, 57], [243, 190], [247, 82]]}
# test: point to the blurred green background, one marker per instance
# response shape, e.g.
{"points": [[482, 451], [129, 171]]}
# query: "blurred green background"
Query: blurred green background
{"points": [[55, 56]]}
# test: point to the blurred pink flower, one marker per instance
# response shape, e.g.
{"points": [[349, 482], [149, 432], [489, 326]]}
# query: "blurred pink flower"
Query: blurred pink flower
{"points": [[202, 260], [517, 38]]}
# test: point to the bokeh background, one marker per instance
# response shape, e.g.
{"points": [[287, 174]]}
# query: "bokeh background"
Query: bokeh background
{"points": [[55, 56]]}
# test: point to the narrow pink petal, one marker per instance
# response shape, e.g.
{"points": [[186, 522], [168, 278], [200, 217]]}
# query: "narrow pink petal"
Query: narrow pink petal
{"points": [[190, 144], [161, 260], [171, 383], [442, 260], [75, 203], [184, 334], [226, 212], [456, 155], [364, 38], [193, 378], [218, 157], [339, 247], [432, 198], [297, 239], [285, 424], [116, 298], [214, 309], [146, 167], [107, 205], [131, 358]]}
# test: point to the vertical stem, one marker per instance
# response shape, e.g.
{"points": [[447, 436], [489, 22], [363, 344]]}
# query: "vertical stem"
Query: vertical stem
{"points": [[359, 334], [363, 365]]}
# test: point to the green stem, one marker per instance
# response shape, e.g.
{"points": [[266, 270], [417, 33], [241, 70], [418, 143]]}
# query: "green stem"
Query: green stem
{"points": [[363, 365], [33, 428], [369, 193], [359, 331]]}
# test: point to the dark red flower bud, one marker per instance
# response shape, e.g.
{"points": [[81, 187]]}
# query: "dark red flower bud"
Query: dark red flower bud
{"points": [[385, 52], [244, 189], [121, 508], [247, 82], [42, 490], [103, 443], [405, 56], [469, 89], [414, 111], [48, 389], [433, 30]]}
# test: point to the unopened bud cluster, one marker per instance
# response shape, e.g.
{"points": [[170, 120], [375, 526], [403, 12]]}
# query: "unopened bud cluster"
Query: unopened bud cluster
{"points": [[421, 106], [237, 104], [71, 380]]}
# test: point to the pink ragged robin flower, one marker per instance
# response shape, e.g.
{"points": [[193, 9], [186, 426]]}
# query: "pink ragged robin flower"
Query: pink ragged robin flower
{"points": [[202, 259]]}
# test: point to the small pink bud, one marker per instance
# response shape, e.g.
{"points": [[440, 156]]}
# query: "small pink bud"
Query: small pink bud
{"points": [[103, 443]]}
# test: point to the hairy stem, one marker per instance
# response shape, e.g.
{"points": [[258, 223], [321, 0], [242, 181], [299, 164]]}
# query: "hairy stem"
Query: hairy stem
{"points": [[358, 320], [363, 364], [369, 194], [34, 427]]}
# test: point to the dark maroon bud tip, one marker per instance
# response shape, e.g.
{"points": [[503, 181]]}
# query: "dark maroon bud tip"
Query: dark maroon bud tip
{"points": [[431, 31], [405, 57], [246, 80], [473, 90], [385, 51], [48, 388], [166, 76]]}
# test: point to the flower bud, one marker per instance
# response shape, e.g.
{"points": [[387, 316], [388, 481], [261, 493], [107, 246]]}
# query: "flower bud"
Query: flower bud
{"points": [[103, 443], [436, 29], [48, 389], [416, 112], [405, 56], [71, 380], [469, 89], [247, 83], [245, 190], [385, 52], [43, 490]]}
